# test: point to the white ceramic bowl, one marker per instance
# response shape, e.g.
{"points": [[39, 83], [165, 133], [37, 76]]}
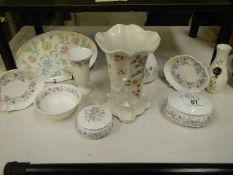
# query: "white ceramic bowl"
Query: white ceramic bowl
{"points": [[57, 101], [94, 121], [189, 109]]}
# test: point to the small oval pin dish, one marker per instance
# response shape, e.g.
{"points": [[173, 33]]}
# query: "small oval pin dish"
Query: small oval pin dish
{"points": [[94, 121]]}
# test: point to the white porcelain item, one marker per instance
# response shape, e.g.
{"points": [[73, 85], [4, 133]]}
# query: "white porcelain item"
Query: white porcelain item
{"points": [[94, 121], [151, 70], [185, 73], [218, 69], [18, 89], [47, 53], [57, 101], [79, 58], [188, 109], [127, 48]]}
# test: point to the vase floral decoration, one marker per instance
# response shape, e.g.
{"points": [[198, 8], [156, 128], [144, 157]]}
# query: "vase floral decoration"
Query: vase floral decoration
{"points": [[127, 48]]}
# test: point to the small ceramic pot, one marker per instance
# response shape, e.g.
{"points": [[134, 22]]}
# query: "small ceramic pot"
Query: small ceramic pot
{"points": [[94, 121], [188, 109]]}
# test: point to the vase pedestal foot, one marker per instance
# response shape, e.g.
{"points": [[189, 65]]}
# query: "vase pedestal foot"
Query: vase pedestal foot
{"points": [[126, 112]]}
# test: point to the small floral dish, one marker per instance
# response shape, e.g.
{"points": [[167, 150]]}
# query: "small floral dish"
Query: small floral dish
{"points": [[57, 101], [151, 69], [188, 109], [94, 121], [47, 54], [18, 89], [186, 74]]}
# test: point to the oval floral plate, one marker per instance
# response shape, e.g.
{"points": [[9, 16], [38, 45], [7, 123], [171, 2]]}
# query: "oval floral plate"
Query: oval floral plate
{"points": [[47, 54], [187, 74], [18, 89]]}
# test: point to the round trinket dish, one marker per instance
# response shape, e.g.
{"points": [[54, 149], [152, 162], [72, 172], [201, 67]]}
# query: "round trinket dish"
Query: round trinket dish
{"points": [[18, 88], [57, 101], [188, 109], [187, 74], [94, 121]]}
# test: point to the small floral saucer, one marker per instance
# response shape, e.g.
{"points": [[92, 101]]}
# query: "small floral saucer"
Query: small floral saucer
{"points": [[186, 74], [47, 54], [18, 89]]}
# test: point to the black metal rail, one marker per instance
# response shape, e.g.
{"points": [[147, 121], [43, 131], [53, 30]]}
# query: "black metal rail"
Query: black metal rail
{"points": [[16, 168]]}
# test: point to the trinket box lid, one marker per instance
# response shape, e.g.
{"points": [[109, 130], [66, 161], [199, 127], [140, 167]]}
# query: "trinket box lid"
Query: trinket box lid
{"points": [[187, 74], [94, 117], [192, 104]]}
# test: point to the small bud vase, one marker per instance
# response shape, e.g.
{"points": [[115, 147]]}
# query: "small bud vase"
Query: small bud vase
{"points": [[218, 69]]}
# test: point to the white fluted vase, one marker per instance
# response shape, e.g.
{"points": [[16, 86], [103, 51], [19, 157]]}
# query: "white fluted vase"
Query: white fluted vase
{"points": [[127, 48]]}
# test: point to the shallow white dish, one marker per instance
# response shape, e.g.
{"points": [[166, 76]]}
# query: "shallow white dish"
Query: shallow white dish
{"points": [[18, 89], [151, 69], [57, 101], [47, 54], [187, 109], [187, 74], [94, 121]]}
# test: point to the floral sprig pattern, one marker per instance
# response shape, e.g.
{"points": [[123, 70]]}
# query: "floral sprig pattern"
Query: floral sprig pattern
{"points": [[135, 72], [47, 55], [119, 57], [94, 114], [31, 86], [96, 134], [53, 90], [185, 119], [81, 63], [198, 69]]}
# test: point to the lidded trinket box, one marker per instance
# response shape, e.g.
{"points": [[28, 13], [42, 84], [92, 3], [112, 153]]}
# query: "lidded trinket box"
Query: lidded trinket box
{"points": [[94, 121], [186, 107]]}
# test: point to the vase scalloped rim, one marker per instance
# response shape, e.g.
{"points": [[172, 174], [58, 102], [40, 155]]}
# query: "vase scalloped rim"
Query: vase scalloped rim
{"points": [[177, 85], [116, 30]]}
